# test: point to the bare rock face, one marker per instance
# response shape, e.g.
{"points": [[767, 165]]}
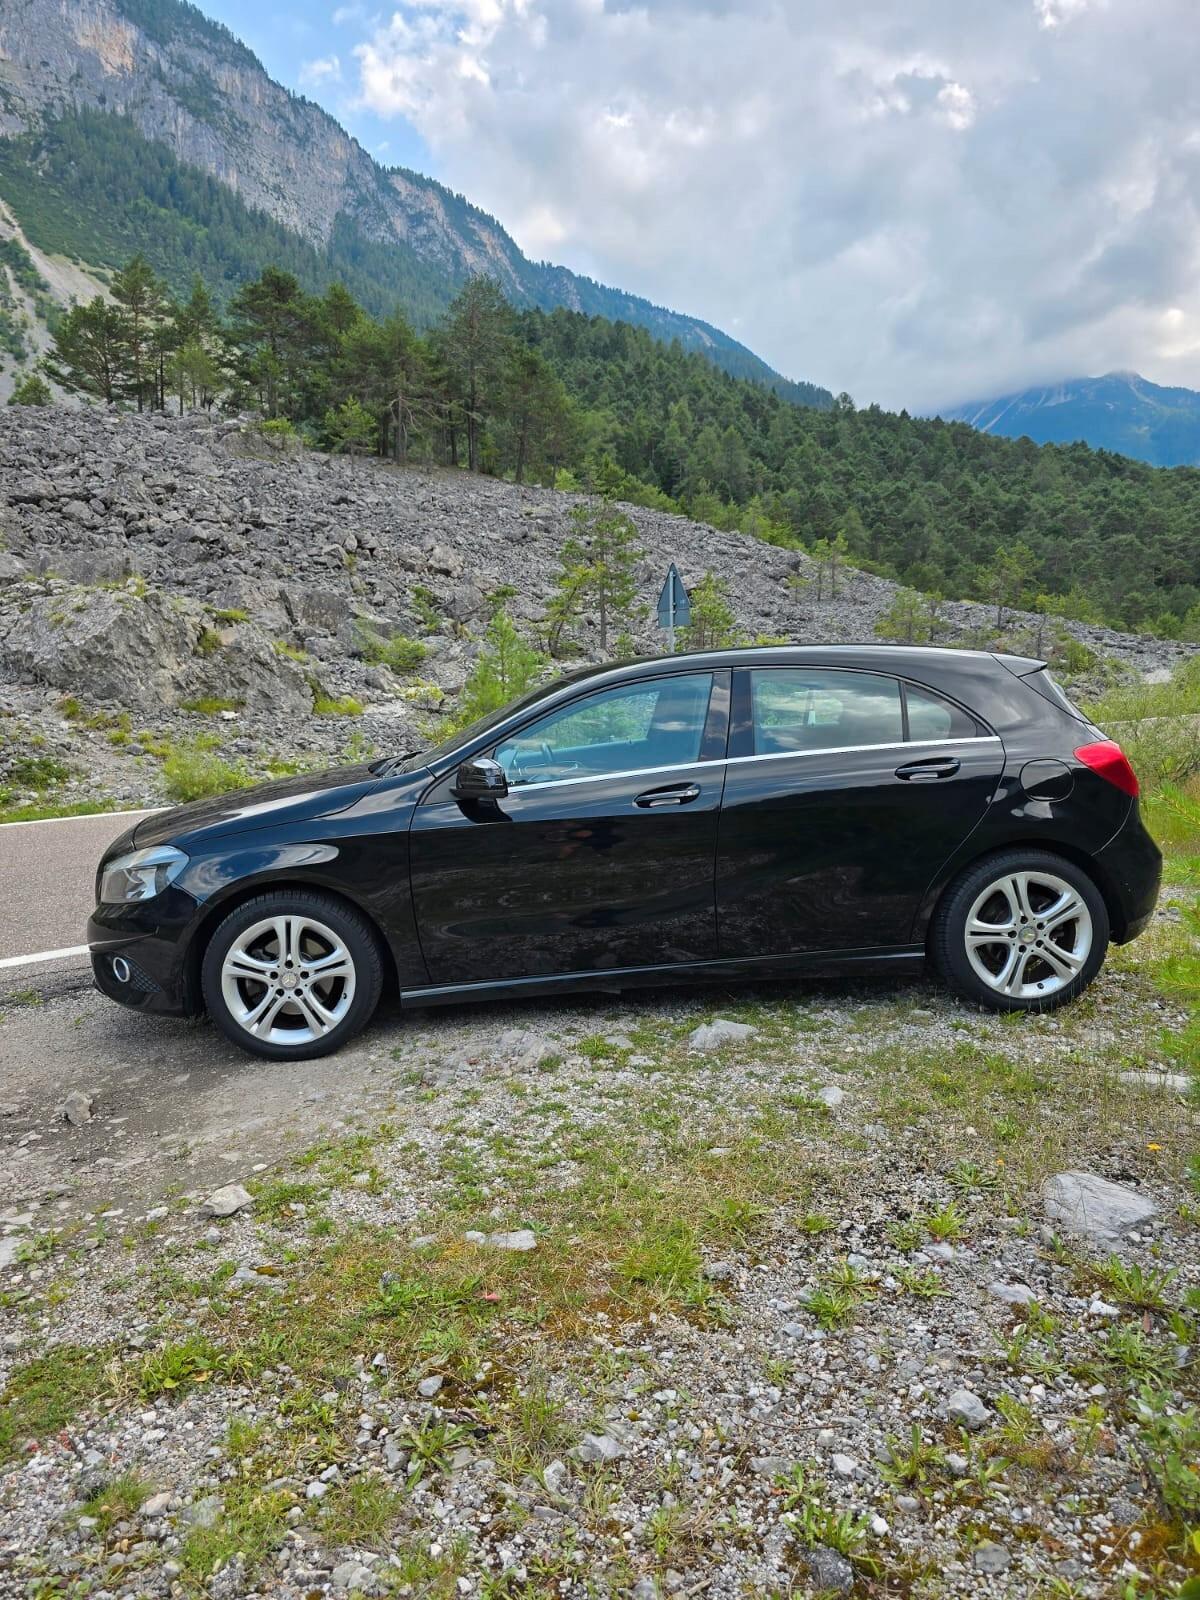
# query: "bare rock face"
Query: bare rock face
{"points": [[247, 669], [110, 644]]}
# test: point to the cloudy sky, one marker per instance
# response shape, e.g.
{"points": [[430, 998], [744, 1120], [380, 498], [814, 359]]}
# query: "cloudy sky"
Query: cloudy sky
{"points": [[921, 203]]}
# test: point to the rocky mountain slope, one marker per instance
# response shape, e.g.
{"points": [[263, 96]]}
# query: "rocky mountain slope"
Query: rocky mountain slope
{"points": [[1119, 411], [164, 580], [187, 84]]}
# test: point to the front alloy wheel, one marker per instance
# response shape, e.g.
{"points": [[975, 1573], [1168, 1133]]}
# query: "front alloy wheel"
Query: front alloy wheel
{"points": [[292, 975], [1023, 931]]}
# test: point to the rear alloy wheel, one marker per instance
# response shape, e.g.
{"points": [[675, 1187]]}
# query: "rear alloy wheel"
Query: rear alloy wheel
{"points": [[1025, 930], [292, 975]]}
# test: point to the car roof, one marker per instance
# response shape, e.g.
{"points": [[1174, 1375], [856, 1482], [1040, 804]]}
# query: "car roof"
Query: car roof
{"points": [[877, 657]]}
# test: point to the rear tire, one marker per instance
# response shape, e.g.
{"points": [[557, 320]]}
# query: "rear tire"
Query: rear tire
{"points": [[292, 974], [1021, 930]]}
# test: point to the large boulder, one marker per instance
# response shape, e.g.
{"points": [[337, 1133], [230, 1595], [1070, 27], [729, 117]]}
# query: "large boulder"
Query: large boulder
{"points": [[110, 644], [246, 667]]}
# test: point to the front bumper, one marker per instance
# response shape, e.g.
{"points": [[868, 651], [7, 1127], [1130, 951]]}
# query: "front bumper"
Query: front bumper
{"points": [[139, 953]]}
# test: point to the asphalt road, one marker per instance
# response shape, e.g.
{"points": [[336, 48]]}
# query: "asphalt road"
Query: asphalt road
{"points": [[47, 876]]}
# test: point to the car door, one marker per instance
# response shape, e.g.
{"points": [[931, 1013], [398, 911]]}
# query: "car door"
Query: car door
{"points": [[602, 854], [845, 793]]}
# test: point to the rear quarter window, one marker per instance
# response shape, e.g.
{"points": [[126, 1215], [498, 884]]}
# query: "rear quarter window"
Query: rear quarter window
{"points": [[930, 717]]}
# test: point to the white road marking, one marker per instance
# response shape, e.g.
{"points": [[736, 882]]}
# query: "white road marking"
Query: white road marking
{"points": [[44, 955], [87, 816]]}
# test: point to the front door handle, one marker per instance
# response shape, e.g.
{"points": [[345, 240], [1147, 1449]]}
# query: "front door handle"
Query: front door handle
{"points": [[674, 794], [934, 767]]}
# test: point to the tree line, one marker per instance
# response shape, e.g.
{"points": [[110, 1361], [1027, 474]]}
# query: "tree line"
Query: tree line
{"points": [[580, 402]]}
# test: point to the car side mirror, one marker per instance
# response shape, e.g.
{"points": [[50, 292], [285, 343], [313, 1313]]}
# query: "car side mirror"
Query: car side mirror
{"points": [[481, 779]]}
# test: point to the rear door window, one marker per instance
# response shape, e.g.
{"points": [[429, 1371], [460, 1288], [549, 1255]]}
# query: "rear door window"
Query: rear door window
{"points": [[794, 709]]}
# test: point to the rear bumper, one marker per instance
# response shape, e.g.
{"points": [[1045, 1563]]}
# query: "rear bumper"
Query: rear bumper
{"points": [[1131, 867]]}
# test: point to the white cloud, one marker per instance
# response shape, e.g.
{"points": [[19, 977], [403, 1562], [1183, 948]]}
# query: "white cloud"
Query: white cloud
{"points": [[920, 204], [324, 70]]}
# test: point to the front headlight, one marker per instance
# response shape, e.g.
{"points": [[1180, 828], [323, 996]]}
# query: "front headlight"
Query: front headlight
{"points": [[140, 875]]}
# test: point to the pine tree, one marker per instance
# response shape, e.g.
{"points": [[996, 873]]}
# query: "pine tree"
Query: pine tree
{"points": [[713, 625], [89, 350], [31, 389], [507, 667], [473, 341], [350, 428], [598, 571], [140, 296]]}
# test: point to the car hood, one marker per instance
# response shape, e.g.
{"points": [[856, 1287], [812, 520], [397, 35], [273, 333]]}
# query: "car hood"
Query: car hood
{"points": [[309, 794]]}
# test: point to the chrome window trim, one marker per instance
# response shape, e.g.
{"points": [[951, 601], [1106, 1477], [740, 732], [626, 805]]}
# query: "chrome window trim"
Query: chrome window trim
{"points": [[516, 790]]}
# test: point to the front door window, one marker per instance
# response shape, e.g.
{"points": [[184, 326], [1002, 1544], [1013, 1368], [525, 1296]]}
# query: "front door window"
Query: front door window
{"points": [[628, 729]]}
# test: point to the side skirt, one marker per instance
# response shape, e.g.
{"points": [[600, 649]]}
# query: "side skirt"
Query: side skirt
{"points": [[744, 969]]}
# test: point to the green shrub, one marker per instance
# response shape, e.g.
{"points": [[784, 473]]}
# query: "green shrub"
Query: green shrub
{"points": [[398, 653], [193, 773]]}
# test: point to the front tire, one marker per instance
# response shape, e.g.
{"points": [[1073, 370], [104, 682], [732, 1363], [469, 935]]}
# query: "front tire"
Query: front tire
{"points": [[1022, 930], [292, 974]]}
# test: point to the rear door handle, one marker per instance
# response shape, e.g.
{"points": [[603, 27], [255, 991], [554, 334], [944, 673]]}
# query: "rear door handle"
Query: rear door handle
{"points": [[934, 767], [674, 794]]}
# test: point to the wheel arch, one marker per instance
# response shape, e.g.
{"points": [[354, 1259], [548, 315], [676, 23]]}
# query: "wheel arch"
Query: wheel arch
{"points": [[1081, 859], [216, 909]]}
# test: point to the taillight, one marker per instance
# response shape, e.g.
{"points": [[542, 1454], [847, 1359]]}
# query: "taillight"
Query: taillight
{"points": [[1106, 758]]}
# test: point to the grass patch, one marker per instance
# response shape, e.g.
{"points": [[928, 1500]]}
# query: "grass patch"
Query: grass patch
{"points": [[117, 1501], [41, 810], [345, 706], [210, 705], [48, 1393]]}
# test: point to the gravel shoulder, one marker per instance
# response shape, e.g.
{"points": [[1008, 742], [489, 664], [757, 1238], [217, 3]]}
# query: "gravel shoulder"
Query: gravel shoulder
{"points": [[568, 1299]]}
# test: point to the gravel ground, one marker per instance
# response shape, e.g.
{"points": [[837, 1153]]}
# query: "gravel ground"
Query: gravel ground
{"points": [[580, 1307]]}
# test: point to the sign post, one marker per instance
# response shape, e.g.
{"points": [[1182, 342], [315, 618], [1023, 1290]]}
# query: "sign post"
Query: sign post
{"points": [[674, 607]]}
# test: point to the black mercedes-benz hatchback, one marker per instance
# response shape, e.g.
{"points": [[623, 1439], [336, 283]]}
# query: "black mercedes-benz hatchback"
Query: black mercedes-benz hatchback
{"points": [[736, 814]]}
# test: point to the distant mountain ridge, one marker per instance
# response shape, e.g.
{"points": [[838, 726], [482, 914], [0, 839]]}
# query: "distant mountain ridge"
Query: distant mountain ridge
{"points": [[1120, 411], [179, 80]]}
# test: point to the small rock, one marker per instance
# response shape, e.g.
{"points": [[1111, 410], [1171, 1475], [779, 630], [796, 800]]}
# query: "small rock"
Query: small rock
{"points": [[156, 1505], [831, 1096], [1168, 1082], [555, 1477], [968, 1410], [77, 1108], [844, 1466], [829, 1572], [203, 1513], [990, 1557], [158, 1213], [349, 1576], [599, 1447], [316, 1489], [1093, 1208], [1101, 1308], [645, 1589], [520, 1239], [223, 1202], [721, 1031], [428, 1387], [1013, 1294]]}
